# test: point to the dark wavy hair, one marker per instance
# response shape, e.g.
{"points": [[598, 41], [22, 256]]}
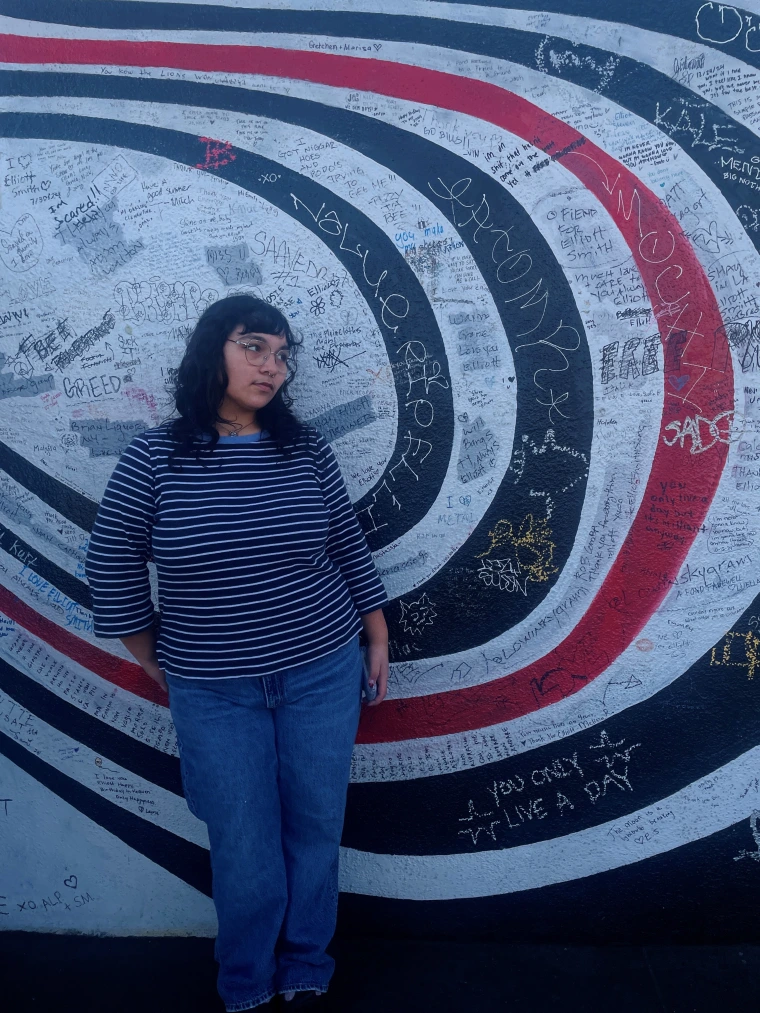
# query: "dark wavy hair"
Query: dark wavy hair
{"points": [[202, 378]]}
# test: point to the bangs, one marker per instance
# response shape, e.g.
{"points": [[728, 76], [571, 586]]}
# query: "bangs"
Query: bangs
{"points": [[267, 320]]}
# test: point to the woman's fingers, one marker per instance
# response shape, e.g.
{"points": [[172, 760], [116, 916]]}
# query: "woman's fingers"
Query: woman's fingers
{"points": [[380, 676], [156, 675]]}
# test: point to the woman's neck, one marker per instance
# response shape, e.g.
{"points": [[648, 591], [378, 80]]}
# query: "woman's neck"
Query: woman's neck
{"points": [[237, 422]]}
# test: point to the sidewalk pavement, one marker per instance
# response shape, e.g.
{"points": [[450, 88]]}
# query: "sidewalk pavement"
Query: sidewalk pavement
{"points": [[85, 974]]}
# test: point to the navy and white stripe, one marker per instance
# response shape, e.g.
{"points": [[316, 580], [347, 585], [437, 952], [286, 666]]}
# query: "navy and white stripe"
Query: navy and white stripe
{"points": [[261, 561]]}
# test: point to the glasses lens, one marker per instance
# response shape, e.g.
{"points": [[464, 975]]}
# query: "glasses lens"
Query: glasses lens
{"points": [[256, 353]]}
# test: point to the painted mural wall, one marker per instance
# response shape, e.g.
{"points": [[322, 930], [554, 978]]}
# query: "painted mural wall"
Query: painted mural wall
{"points": [[521, 247]]}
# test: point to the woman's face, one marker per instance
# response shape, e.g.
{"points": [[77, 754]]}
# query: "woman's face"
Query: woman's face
{"points": [[252, 385]]}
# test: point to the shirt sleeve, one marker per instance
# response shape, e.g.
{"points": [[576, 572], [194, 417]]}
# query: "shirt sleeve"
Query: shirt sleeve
{"points": [[117, 556], [346, 544]]}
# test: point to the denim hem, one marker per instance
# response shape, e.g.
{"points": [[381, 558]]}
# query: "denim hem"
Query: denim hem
{"points": [[301, 986], [257, 1000]]}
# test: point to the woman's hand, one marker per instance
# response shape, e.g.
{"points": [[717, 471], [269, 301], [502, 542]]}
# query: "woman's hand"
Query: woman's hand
{"points": [[377, 652], [142, 647], [377, 663], [151, 668]]}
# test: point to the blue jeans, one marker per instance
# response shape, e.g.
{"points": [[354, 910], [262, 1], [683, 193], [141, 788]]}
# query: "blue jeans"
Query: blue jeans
{"points": [[265, 764]]}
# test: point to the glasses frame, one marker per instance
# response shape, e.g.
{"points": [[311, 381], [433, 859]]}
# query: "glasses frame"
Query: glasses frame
{"points": [[244, 344]]}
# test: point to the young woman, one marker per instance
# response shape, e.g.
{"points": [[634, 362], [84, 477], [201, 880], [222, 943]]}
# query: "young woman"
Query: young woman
{"points": [[265, 581]]}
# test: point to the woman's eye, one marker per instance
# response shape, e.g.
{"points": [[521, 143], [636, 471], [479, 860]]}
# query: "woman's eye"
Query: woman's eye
{"points": [[283, 357]]}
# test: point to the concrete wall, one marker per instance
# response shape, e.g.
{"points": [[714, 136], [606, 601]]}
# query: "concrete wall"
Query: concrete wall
{"points": [[521, 248]]}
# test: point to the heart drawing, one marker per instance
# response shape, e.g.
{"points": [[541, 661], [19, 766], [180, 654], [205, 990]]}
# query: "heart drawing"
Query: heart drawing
{"points": [[20, 249], [679, 382]]}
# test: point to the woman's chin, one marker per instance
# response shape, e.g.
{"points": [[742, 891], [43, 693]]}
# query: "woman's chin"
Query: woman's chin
{"points": [[261, 401], [254, 401]]}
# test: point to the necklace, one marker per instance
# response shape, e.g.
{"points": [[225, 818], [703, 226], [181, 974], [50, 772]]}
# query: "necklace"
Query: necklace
{"points": [[239, 429]]}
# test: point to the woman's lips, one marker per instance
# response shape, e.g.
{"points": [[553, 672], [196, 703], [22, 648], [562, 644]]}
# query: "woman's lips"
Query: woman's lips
{"points": [[264, 384]]}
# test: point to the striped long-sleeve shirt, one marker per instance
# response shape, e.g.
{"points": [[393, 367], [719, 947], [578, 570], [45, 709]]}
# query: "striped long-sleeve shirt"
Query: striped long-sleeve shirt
{"points": [[261, 561]]}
